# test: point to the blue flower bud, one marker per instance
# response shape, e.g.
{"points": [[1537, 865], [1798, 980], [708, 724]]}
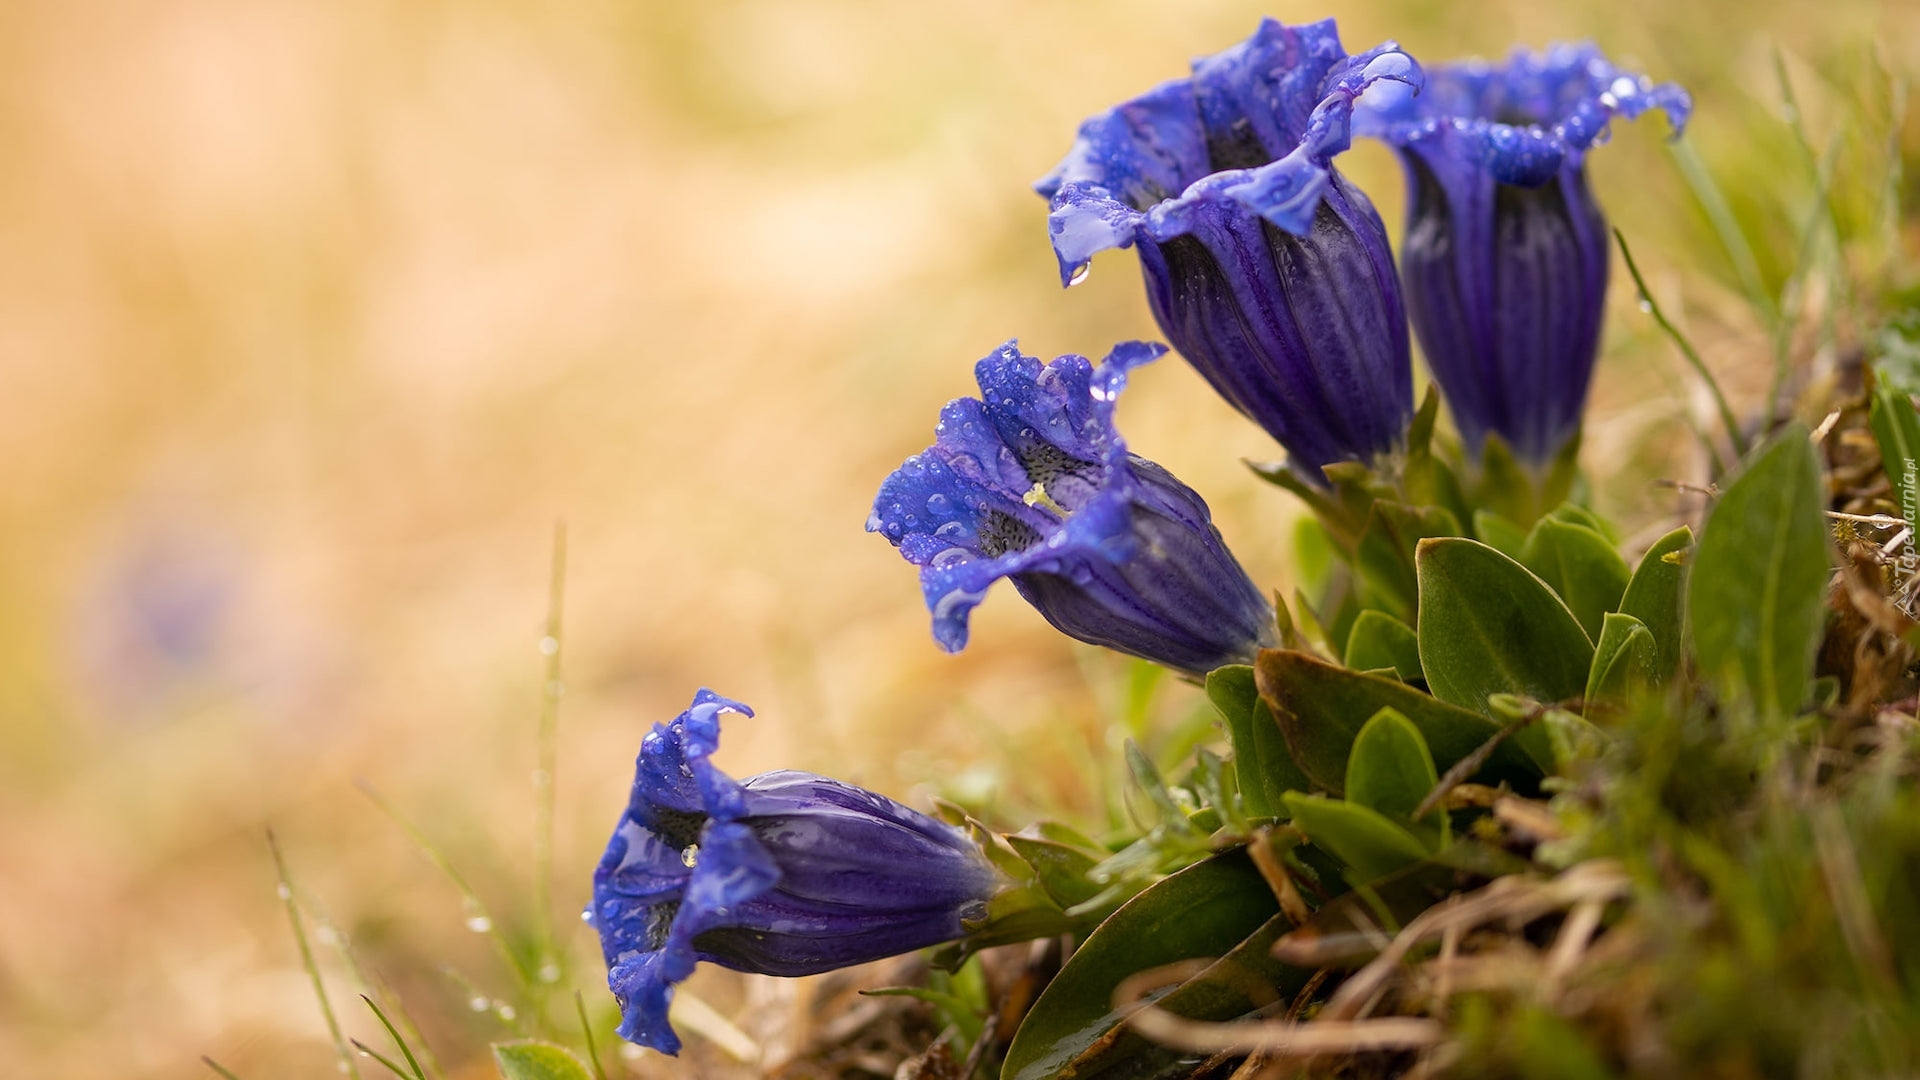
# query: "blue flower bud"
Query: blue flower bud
{"points": [[1506, 253], [1268, 271], [1032, 482], [786, 873]]}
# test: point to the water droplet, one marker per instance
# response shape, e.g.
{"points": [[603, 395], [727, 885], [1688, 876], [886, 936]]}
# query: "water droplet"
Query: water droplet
{"points": [[549, 645], [283, 892], [479, 924], [540, 778], [341, 1067], [1388, 66], [938, 504], [550, 973], [952, 530], [1646, 305], [1080, 273], [478, 1003], [586, 916], [327, 935], [690, 854], [630, 1052], [505, 1012]]}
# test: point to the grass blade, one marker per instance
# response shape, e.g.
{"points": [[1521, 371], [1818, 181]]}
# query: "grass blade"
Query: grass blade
{"points": [[586, 1031], [381, 1058], [1652, 307], [228, 1073], [1726, 225], [347, 1064], [479, 919], [402, 1043], [546, 964]]}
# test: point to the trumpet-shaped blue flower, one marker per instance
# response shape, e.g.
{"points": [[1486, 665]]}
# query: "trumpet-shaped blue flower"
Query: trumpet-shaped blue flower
{"points": [[786, 873], [1505, 258], [1268, 271], [1032, 482]]}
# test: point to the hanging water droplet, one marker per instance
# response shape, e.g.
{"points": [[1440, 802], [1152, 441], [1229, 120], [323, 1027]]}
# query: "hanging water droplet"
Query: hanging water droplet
{"points": [[1080, 273], [587, 916], [479, 924]]}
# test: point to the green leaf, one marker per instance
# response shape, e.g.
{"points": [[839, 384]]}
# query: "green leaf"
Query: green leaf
{"points": [[1896, 428], [1391, 770], [1575, 514], [1489, 626], [1759, 581], [1581, 565], [531, 1059], [1623, 658], [1260, 758], [1378, 640], [1385, 554], [1321, 708], [1371, 845], [1657, 597], [1061, 869], [1217, 908], [1499, 534]]}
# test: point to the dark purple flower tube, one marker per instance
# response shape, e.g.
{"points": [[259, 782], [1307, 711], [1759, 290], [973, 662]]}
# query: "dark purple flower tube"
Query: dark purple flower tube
{"points": [[1268, 271], [1032, 482], [786, 873], [1506, 253]]}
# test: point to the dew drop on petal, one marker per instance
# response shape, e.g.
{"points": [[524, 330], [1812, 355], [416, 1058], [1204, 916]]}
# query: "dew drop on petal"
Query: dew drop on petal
{"points": [[1080, 273], [690, 855], [587, 916]]}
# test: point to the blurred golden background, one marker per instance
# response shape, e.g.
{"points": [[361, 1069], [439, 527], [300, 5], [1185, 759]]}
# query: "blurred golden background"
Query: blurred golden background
{"points": [[316, 316]]}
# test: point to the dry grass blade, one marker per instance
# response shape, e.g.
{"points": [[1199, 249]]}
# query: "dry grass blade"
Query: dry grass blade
{"points": [[1515, 900]]}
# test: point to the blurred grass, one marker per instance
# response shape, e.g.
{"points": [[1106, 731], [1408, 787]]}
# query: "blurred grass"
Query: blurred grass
{"points": [[314, 317]]}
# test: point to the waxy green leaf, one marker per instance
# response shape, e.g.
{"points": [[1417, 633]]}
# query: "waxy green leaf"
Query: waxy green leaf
{"points": [[1369, 843], [1218, 908], [1489, 626], [1261, 761], [1385, 554], [1756, 595], [1378, 640], [1624, 658], [534, 1060], [1391, 770], [1580, 564], [1321, 708], [1499, 534], [1657, 597]]}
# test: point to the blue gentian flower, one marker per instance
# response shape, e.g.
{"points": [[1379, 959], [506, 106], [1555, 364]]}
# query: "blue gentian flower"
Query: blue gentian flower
{"points": [[1505, 258], [1268, 271], [786, 873], [1032, 482]]}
